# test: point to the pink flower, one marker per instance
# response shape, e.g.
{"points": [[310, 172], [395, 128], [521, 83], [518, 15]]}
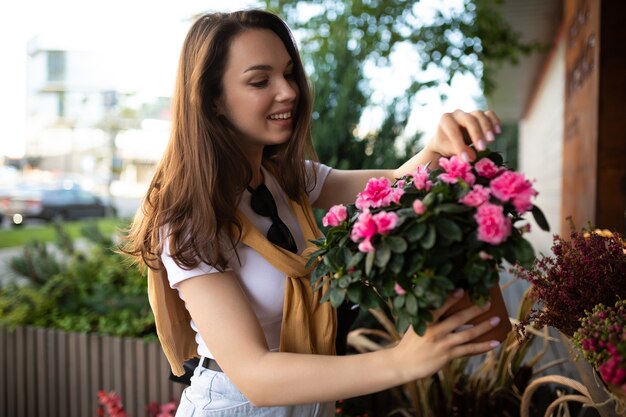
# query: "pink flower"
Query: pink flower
{"points": [[486, 168], [456, 169], [364, 228], [513, 186], [418, 207], [477, 196], [420, 179], [366, 245], [378, 193], [398, 289], [335, 215], [385, 221], [493, 226]]}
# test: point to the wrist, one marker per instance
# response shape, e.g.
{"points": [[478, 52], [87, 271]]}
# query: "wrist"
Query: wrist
{"points": [[398, 360]]}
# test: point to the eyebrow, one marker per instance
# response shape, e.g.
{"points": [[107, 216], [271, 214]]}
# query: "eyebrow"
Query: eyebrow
{"points": [[265, 67]]}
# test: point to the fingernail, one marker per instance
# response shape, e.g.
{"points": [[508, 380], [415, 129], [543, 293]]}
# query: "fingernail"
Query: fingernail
{"points": [[464, 156], [498, 129], [494, 321], [480, 145], [490, 137], [458, 293], [494, 343], [487, 306]]}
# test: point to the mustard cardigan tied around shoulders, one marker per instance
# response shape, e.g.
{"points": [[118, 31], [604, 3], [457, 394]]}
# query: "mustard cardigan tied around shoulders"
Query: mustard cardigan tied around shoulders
{"points": [[307, 325]]}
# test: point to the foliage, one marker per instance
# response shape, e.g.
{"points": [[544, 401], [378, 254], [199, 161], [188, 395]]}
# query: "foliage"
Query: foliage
{"points": [[111, 406], [561, 283], [410, 244], [340, 39], [602, 341], [489, 385], [88, 290]]}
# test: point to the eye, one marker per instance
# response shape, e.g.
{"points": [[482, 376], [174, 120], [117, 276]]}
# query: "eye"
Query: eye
{"points": [[259, 84]]}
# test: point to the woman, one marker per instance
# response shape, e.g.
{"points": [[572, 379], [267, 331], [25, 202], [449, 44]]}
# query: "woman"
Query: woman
{"points": [[226, 220]]}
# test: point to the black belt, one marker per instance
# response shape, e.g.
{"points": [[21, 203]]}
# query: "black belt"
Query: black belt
{"points": [[211, 364]]}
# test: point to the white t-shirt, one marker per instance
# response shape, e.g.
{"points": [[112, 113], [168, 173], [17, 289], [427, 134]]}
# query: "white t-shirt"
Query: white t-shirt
{"points": [[262, 283]]}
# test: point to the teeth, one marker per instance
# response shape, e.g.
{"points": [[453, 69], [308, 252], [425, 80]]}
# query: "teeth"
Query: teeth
{"points": [[281, 116]]}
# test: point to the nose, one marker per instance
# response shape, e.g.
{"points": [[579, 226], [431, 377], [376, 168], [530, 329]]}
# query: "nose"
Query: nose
{"points": [[287, 90]]}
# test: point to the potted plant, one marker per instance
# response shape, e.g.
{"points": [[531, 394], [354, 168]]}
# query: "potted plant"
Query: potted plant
{"points": [[405, 246]]}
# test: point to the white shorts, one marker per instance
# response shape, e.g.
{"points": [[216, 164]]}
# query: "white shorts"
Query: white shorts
{"points": [[212, 394]]}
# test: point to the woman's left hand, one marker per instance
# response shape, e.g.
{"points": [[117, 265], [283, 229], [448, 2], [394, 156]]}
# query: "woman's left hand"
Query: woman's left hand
{"points": [[458, 129]]}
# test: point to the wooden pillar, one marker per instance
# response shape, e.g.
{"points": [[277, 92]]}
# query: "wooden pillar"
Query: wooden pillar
{"points": [[594, 148]]}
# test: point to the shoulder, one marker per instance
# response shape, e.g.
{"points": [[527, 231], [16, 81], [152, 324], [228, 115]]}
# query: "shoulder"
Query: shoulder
{"points": [[316, 174], [177, 273]]}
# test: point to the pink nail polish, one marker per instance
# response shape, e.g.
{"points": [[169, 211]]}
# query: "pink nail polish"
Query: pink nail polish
{"points": [[498, 129], [487, 306], [464, 156], [480, 145], [490, 137], [494, 321], [494, 343]]}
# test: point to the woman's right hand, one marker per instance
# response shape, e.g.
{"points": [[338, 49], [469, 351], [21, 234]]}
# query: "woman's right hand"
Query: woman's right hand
{"points": [[422, 356]]}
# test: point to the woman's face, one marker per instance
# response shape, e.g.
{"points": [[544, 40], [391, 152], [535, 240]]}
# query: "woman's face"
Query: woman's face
{"points": [[260, 92]]}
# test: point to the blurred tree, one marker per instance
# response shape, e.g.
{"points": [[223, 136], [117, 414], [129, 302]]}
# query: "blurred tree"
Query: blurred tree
{"points": [[338, 38]]}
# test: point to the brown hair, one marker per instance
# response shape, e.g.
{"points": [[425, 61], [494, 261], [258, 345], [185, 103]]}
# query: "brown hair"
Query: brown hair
{"points": [[199, 181]]}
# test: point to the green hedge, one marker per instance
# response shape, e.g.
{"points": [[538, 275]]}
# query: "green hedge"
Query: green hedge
{"points": [[91, 289]]}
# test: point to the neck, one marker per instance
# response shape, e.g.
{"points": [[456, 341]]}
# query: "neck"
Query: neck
{"points": [[255, 157]]}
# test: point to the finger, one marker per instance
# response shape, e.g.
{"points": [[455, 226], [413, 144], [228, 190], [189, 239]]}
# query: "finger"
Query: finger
{"points": [[452, 300], [452, 129], [470, 349], [487, 127], [472, 332], [495, 120], [473, 126], [460, 318]]}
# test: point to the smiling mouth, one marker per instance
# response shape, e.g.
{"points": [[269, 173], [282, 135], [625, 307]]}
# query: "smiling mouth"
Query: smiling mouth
{"points": [[280, 116]]}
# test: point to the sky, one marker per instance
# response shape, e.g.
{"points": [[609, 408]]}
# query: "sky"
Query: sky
{"points": [[143, 38]]}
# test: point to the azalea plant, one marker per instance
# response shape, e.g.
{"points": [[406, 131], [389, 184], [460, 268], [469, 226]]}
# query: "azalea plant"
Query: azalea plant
{"points": [[602, 340], [408, 244]]}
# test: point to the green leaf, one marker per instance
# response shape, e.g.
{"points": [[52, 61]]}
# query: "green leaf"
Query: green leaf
{"points": [[411, 304], [429, 199], [354, 259], [396, 263], [398, 302], [320, 271], [415, 232], [383, 254], [524, 253], [397, 244], [452, 208], [355, 292], [331, 260], [337, 296], [540, 219], [428, 241], [369, 299], [449, 229]]}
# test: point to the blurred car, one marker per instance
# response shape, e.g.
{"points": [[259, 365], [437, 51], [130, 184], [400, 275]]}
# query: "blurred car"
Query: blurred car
{"points": [[53, 203]]}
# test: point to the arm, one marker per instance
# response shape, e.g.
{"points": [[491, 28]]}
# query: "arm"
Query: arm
{"points": [[455, 133], [228, 325]]}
